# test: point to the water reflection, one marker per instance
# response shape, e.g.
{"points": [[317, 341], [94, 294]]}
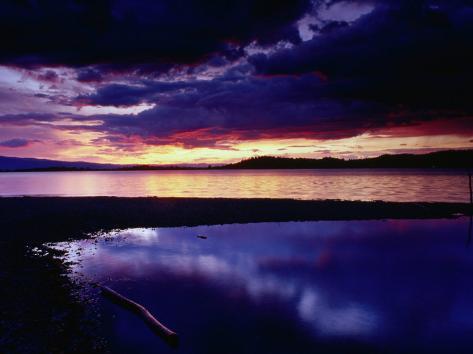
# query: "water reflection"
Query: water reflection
{"points": [[390, 184], [470, 229], [302, 287]]}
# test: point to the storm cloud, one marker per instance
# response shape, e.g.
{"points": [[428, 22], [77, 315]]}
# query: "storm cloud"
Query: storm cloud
{"points": [[16, 143], [202, 73], [414, 53], [82, 32]]}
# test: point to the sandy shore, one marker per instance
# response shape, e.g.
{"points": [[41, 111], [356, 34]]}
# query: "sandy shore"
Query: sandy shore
{"points": [[38, 311]]}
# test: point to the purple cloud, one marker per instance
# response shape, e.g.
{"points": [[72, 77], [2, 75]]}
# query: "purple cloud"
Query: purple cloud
{"points": [[408, 53], [89, 75], [16, 143], [78, 33], [212, 78]]}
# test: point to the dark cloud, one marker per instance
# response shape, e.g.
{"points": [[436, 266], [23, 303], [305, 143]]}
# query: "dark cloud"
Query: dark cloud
{"points": [[16, 143], [329, 27], [404, 68], [89, 75], [48, 76], [27, 118], [414, 53], [252, 106], [122, 95], [120, 32], [405, 63], [196, 114]]}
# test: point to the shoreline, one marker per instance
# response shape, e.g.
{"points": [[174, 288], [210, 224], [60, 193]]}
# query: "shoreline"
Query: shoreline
{"points": [[216, 168], [60, 218], [40, 310]]}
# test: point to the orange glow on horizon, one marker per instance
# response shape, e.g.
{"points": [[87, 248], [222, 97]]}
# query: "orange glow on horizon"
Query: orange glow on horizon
{"points": [[89, 147]]}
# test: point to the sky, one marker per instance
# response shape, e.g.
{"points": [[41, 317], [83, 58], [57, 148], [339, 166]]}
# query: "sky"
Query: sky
{"points": [[207, 81]]}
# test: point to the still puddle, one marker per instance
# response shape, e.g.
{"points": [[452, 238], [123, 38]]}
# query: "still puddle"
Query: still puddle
{"points": [[396, 286]]}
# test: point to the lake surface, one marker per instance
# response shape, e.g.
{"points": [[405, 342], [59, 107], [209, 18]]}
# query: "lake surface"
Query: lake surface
{"points": [[396, 286], [388, 185]]}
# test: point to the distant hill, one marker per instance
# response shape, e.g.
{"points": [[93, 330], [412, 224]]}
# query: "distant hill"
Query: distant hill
{"points": [[26, 164], [439, 159], [20, 164]]}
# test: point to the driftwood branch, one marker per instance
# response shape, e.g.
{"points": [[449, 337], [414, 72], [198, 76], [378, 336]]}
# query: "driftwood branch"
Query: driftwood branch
{"points": [[157, 327]]}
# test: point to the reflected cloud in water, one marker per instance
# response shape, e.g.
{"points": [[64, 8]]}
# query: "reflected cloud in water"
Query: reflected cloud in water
{"points": [[332, 286]]}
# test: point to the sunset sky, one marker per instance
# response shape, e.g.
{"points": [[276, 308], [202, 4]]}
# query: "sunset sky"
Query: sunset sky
{"points": [[202, 81]]}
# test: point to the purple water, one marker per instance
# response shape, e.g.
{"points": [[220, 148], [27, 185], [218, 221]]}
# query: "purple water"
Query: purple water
{"points": [[396, 286]]}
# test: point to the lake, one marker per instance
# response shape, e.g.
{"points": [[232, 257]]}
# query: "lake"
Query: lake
{"points": [[386, 184], [395, 286]]}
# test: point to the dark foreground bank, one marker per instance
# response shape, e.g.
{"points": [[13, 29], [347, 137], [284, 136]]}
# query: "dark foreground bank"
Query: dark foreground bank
{"points": [[39, 308], [55, 218]]}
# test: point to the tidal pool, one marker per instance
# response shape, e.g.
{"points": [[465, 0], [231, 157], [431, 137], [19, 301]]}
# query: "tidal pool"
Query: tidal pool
{"points": [[395, 286]]}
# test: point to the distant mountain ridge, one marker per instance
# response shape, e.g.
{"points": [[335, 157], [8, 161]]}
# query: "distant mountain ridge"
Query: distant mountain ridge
{"points": [[22, 164], [439, 159]]}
